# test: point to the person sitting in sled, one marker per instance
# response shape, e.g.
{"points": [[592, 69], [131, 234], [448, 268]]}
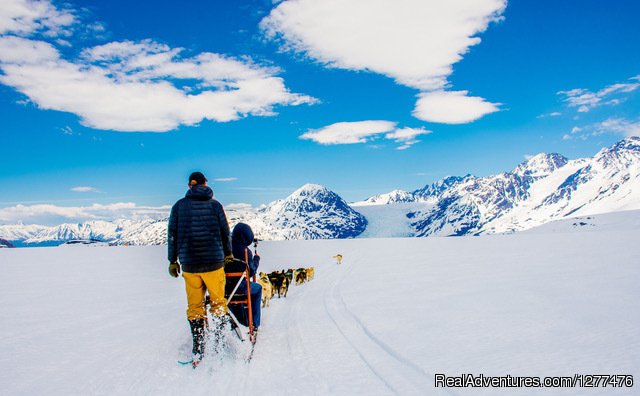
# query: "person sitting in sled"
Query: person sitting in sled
{"points": [[241, 238]]}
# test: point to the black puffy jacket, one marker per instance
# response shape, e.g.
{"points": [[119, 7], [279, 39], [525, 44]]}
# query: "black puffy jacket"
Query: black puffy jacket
{"points": [[198, 231]]}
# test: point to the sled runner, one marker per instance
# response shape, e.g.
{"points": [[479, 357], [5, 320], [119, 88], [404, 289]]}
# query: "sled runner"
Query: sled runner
{"points": [[236, 273]]}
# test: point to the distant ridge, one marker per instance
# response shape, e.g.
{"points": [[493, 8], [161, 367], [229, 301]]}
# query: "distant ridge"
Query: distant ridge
{"points": [[544, 188], [5, 244]]}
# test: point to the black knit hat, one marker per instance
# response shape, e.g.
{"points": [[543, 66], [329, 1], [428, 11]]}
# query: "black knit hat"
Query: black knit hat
{"points": [[197, 178]]}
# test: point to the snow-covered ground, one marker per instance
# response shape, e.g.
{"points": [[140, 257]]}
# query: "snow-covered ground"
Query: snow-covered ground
{"points": [[628, 220], [110, 320]]}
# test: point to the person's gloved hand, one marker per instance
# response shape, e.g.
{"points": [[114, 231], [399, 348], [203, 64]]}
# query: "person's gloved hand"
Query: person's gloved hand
{"points": [[228, 259], [174, 269]]}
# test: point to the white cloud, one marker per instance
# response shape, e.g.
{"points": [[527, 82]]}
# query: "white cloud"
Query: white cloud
{"points": [[363, 132], [349, 132], [586, 100], [226, 179], [24, 17], [83, 189], [140, 86], [406, 136], [452, 107], [619, 125], [47, 214], [67, 130], [552, 114], [415, 42]]}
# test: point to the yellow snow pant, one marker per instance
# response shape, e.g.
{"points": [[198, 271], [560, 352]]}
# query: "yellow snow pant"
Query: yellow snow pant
{"points": [[197, 284]]}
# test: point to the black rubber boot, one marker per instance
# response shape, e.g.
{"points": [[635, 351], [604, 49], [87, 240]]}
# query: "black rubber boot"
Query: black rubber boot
{"points": [[198, 334]]}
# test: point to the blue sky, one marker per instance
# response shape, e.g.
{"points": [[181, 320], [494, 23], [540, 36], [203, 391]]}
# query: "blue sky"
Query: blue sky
{"points": [[112, 102]]}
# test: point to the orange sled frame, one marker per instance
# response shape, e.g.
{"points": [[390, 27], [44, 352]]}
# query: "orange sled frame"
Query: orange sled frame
{"points": [[236, 273]]}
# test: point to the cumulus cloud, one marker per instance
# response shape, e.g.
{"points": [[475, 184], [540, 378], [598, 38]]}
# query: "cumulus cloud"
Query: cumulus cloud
{"points": [[363, 132], [415, 42], [142, 86], [452, 107], [29, 16], [348, 132], [47, 214], [83, 189], [586, 100]]}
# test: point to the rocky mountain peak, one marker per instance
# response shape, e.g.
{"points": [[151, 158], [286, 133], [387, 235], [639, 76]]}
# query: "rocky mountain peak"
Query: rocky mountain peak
{"points": [[541, 165]]}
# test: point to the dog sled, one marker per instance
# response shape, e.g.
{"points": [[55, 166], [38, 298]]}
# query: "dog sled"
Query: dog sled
{"points": [[236, 274]]}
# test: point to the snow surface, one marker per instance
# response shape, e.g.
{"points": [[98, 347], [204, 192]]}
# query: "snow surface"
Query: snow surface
{"points": [[110, 320], [618, 221]]}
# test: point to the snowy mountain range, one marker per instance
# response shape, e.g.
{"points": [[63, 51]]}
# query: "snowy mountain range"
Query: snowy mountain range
{"points": [[39, 235], [544, 188], [311, 212]]}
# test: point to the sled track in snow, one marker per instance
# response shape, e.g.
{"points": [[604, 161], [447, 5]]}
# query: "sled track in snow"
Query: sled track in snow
{"points": [[398, 374], [298, 343]]}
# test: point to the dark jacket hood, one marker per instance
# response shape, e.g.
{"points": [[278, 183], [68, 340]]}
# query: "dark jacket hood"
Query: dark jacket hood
{"points": [[199, 193], [242, 235]]}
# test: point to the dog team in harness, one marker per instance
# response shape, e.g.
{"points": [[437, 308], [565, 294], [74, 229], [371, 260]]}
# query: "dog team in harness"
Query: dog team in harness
{"points": [[216, 261]]}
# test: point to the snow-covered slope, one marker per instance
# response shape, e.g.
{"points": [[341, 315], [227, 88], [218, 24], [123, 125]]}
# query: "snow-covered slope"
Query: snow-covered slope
{"points": [[135, 232], [312, 212], [393, 197], [608, 182], [433, 192], [541, 165], [42, 235], [395, 313], [430, 193], [464, 208], [150, 232], [618, 221]]}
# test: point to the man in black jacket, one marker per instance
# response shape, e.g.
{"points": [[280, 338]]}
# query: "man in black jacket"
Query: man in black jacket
{"points": [[198, 237]]}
